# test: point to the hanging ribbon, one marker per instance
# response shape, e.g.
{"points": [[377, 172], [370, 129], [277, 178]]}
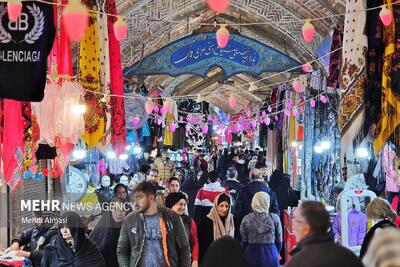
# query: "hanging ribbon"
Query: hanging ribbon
{"points": [[118, 134], [89, 66]]}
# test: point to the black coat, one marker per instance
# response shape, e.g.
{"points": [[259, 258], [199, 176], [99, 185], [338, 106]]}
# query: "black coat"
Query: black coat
{"points": [[320, 250], [370, 235], [205, 233], [280, 184], [190, 186], [35, 239]]}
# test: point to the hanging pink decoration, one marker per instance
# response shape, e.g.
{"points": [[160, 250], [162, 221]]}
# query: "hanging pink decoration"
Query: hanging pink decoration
{"points": [[215, 120], [267, 120], [75, 18], [190, 118], [135, 121], [263, 114], [290, 104], [156, 109], [222, 36], [386, 16], [232, 101], [253, 124], [209, 118], [295, 112], [269, 109], [276, 118], [204, 129], [287, 113], [163, 111], [228, 136], [296, 85], [159, 121], [168, 106], [187, 128], [237, 127], [312, 103], [172, 127], [14, 8], [219, 139], [120, 29], [149, 106], [324, 99], [308, 31], [218, 6], [307, 67], [181, 119]]}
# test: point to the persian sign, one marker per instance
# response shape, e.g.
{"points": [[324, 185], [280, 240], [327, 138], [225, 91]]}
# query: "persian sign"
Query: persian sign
{"points": [[198, 53]]}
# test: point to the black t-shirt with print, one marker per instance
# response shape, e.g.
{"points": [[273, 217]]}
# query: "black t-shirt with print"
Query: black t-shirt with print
{"points": [[24, 47]]}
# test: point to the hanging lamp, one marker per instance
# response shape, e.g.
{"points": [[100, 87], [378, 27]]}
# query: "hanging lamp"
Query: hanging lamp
{"points": [[76, 18], [222, 36], [308, 31], [386, 16], [120, 29], [14, 8]]}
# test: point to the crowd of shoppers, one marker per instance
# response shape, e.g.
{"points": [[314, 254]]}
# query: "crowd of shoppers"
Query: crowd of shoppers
{"points": [[222, 209]]}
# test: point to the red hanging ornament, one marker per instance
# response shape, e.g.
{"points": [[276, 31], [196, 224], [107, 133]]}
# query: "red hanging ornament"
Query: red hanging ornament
{"points": [[54, 173], [45, 172], [386, 16]]}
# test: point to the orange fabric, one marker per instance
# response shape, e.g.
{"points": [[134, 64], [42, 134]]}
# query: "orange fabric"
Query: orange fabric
{"points": [[164, 241], [300, 133]]}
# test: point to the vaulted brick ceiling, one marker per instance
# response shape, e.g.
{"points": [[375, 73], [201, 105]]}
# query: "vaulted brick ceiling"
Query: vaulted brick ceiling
{"points": [[155, 23]]}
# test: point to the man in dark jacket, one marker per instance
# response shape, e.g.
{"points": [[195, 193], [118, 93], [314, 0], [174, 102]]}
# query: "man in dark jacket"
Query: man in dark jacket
{"points": [[36, 238], [232, 184], [245, 195], [152, 236], [316, 247]]}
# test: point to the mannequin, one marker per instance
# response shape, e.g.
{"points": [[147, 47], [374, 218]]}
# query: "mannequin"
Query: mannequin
{"points": [[104, 193], [125, 181]]}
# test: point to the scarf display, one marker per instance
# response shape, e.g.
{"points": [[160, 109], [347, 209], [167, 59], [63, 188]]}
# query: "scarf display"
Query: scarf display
{"points": [[260, 202], [90, 71], [390, 117], [221, 229], [104, 58], [13, 143], [352, 80], [375, 51], [118, 131]]}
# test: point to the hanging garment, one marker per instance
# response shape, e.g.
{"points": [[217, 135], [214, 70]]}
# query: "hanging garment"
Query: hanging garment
{"points": [[352, 79], [104, 59], [47, 114], [375, 51], [334, 62], [61, 54], [23, 51], [390, 169], [357, 227], [390, 118], [118, 133], [89, 66], [70, 124], [13, 143]]}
